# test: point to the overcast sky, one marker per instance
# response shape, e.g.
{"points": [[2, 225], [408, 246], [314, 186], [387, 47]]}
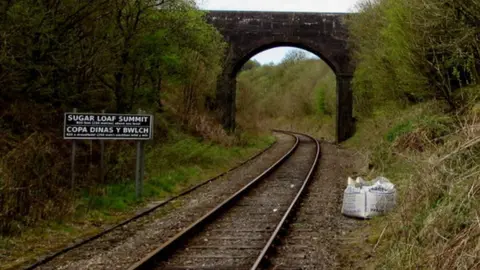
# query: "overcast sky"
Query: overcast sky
{"points": [[275, 55]]}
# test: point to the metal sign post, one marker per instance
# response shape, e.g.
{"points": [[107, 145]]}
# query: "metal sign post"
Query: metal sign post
{"points": [[74, 148], [102, 157], [139, 170]]}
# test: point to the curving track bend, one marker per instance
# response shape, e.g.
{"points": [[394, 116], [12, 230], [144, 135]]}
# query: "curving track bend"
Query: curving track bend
{"points": [[238, 234]]}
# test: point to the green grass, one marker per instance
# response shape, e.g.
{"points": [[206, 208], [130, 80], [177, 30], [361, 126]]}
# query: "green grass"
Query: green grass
{"points": [[434, 225], [172, 165], [398, 130]]}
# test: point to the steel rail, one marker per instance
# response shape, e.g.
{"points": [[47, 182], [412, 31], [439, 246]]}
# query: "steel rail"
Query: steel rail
{"points": [[80, 243], [167, 248], [261, 259]]}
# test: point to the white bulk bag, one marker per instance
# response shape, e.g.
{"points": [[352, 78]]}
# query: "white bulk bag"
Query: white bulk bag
{"points": [[367, 199]]}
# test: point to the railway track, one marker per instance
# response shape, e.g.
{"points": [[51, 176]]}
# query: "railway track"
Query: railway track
{"points": [[239, 233], [80, 254]]}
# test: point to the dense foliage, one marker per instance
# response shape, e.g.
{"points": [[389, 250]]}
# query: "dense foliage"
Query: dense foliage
{"points": [[411, 51], [296, 88], [115, 55]]}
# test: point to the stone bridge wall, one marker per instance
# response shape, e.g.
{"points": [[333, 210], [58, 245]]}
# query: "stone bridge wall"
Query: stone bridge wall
{"points": [[249, 33]]}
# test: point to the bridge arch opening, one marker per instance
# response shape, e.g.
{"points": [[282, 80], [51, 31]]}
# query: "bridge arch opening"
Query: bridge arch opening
{"points": [[266, 47], [286, 87]]}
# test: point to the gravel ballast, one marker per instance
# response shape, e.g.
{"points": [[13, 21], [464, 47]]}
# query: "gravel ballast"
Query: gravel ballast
{"points": [[314, 235], [235, 239]]}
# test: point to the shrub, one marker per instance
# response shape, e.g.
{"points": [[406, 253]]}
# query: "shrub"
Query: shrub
{"points": [[410, 51], [436, 224]]}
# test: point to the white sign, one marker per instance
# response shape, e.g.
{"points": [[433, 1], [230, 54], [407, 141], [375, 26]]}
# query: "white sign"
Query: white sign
{"points": [[93, 126]]}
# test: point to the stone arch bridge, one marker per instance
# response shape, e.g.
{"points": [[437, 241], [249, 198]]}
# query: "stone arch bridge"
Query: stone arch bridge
{"points": [[248, 33]]}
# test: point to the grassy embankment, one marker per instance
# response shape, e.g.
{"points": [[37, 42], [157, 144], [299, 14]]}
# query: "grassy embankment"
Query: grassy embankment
{"points": [[417, 101], [432, 158], [179, 161]]}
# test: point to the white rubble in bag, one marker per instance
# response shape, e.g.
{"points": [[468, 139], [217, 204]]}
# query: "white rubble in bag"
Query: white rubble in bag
{"points": [[367, 199], [350, 182]]}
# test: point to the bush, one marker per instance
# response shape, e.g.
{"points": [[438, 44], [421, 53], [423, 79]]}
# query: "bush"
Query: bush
{"points": [[418, 134], [34, 183], [410, 51], [436, 224]]}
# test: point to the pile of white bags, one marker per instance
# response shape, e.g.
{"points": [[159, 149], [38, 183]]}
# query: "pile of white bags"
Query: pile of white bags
{"points": [[367, 199]]}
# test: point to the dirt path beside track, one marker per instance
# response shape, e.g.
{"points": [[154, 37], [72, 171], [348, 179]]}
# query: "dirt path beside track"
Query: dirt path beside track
{"points": [[317, 233]]}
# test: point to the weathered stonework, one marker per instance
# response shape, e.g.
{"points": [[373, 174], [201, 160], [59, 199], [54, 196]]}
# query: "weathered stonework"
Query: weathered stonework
{"points": [[249, 33]]}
